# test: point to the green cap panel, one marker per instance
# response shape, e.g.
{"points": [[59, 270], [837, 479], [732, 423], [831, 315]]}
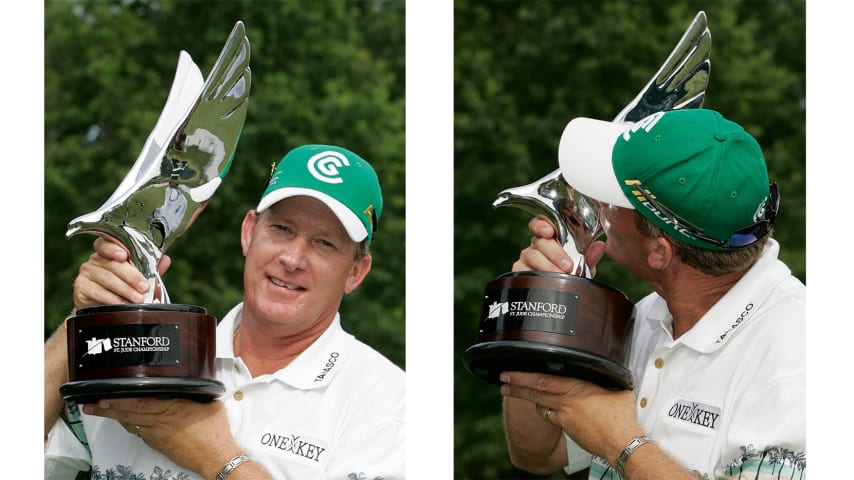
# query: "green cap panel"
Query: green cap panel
{"points": [[343, 180], [705, 170]]}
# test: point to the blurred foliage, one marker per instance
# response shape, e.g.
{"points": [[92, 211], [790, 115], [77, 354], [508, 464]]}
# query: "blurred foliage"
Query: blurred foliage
{"points": [[523, 69], [322, 72]]}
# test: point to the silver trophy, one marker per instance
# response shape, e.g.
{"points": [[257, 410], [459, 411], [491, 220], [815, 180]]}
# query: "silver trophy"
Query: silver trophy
{"points": [[584, 332], [157, 348]]}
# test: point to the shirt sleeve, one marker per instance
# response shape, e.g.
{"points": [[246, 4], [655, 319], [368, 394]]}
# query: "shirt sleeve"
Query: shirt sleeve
{"points": [[579, 459], [64, 456]]}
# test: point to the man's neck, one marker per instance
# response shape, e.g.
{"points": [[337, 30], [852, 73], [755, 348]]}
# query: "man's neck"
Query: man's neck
{"points": [[690, 293], [263, 351]]}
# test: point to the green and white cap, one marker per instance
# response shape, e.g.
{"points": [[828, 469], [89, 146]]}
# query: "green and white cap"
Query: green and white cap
{"points": [[703, 169], [344, 181]]}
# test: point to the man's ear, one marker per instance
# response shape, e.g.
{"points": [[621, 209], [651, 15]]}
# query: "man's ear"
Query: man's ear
{"points": [[360, 270], [661, 255], [247, 229]]}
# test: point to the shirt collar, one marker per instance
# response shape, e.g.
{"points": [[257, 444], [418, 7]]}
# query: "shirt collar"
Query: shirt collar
{"points": [[315, 367], [735, 309]]}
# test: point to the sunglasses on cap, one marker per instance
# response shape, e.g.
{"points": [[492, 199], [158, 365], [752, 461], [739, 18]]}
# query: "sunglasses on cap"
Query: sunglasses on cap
{"points": [[742, 237]]}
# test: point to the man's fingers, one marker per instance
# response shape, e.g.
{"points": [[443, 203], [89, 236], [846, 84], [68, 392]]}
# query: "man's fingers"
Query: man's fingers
{"points": [[111, 250], [550, 384], [541, 227], [534, 382], [532, 259], [134, 411], [594, 253], [104, 284], [141, 405], [109, 278], [544, 255], [100, 410], [525, 393], [164, 264]]}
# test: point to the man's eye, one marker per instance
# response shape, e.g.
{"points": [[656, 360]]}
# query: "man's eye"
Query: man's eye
{"points": [[325, 243]]}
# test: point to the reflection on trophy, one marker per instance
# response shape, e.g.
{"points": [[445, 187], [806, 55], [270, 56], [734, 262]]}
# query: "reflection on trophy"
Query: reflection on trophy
{"points": [[157, 348], [570, 324]]}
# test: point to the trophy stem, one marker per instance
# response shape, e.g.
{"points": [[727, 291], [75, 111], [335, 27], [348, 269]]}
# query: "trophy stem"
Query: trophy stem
{"points": [[146, 259]]}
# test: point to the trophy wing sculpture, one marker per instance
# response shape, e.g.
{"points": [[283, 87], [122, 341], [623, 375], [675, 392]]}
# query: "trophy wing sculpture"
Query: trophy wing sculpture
{"points": [[158, 348], [570, 324], [182, 162], [680, 82]]}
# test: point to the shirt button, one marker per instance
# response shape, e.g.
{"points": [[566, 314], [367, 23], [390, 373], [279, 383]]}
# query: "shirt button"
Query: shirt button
{"points": [[237, 367], [643, 402], [659, 363], [238, 395]]}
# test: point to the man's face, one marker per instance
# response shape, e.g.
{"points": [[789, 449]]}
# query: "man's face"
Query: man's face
{"points": [[299, 264], [625, 244]]}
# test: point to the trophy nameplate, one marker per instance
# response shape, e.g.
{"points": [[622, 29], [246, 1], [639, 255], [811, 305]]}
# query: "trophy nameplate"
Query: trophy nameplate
{"points": [[157, 348], [567, 323]]}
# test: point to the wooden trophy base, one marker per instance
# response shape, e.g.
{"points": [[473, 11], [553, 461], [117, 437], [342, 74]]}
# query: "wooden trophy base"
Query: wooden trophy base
{"points": [[553, 323], [141, 350]]}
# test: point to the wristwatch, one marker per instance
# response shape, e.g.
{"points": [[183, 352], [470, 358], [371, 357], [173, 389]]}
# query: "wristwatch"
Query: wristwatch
{"points": [[630, 448], [231, 465]]}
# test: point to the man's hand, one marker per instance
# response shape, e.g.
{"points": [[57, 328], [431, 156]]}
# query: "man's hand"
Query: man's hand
{"points": [[109, 278], [546, 254], [599, 420], [193, 435]]}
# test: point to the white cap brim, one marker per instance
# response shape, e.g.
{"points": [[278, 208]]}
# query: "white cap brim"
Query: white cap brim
{"points": [[354, 227], [585, 156]]}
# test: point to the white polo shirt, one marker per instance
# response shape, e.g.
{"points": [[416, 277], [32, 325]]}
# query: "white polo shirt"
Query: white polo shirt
{"points": [[729, 396], [336, 411]]}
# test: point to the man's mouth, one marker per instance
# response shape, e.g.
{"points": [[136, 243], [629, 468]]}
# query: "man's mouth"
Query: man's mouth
{"points": [[289, 286]]}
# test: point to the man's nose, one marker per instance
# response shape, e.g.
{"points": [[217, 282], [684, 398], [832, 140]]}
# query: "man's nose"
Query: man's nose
{"points": [[293, 255]]}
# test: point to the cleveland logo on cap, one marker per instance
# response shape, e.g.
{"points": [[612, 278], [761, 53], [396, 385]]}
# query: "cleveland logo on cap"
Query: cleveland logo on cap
{"points": [[325, 166]]}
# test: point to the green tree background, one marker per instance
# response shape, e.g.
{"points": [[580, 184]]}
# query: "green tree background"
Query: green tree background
{"points": [[523, 69], [322, 72]]}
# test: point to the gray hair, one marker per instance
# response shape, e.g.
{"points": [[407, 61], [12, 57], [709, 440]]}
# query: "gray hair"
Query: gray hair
{"points": [[710, 262], [364, 248]]}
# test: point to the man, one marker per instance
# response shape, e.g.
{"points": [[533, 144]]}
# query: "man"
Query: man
{"points": [[717, 350], [303, 399]]}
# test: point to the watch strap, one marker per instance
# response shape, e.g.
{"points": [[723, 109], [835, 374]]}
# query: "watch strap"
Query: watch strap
{"points": [[633, 445]]}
